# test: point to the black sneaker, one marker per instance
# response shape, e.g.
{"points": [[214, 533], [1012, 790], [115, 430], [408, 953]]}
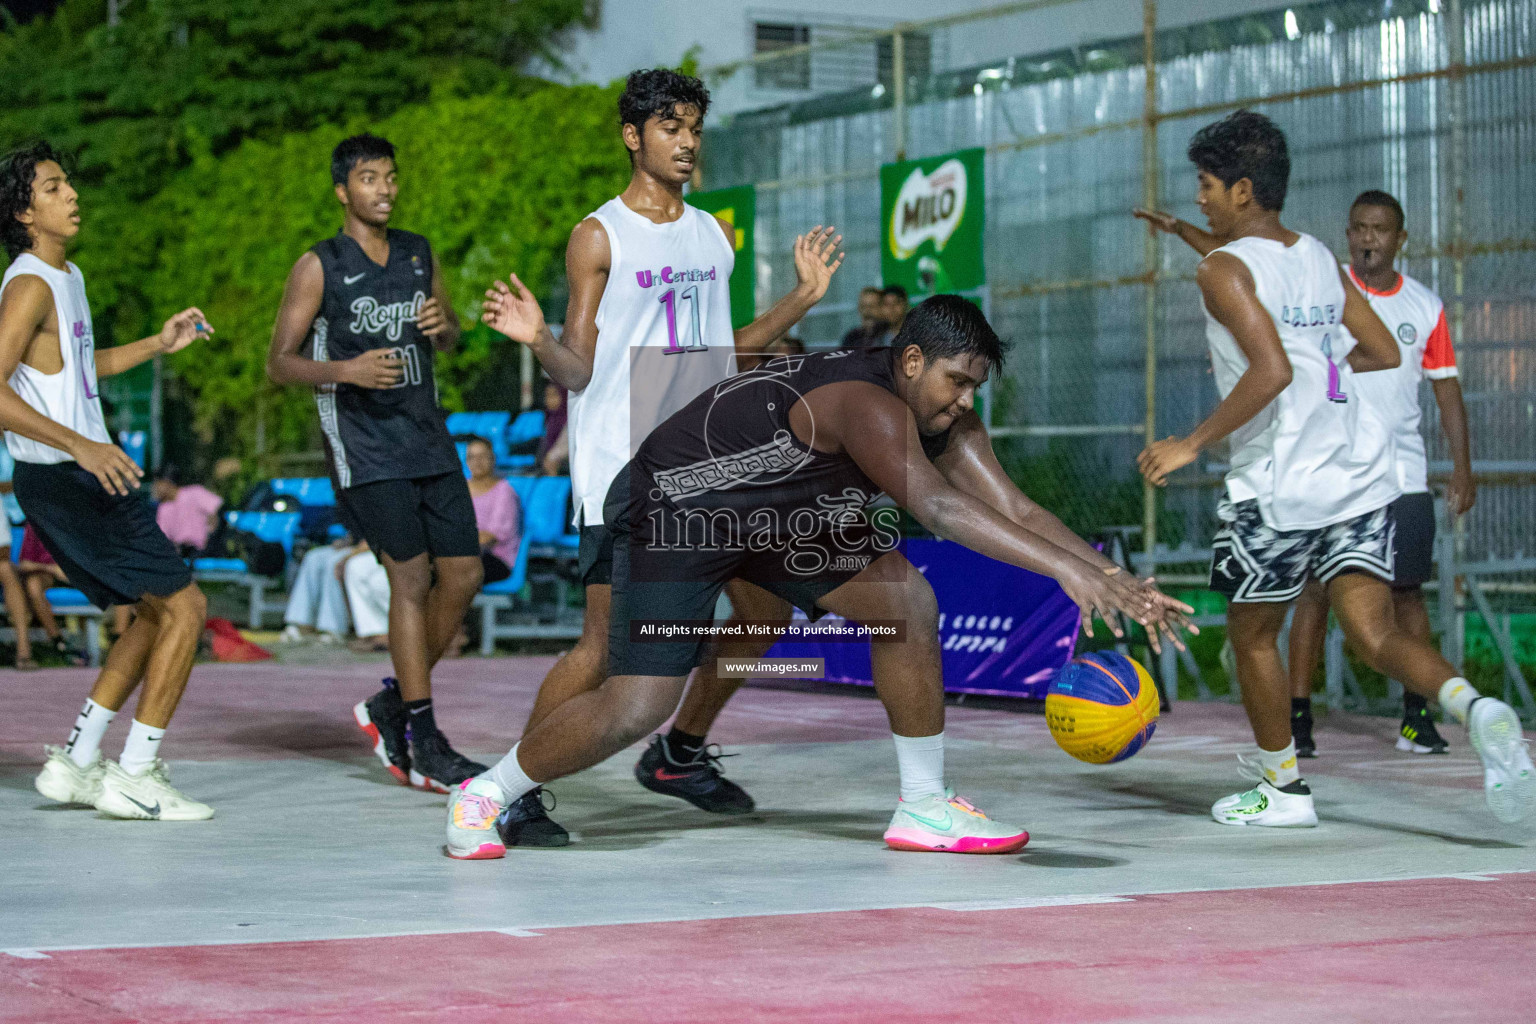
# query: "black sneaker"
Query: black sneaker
{"points": [[526, 822], [698, 781], [1418, 734], [1301, 734], [383, 718], [437, 766]]}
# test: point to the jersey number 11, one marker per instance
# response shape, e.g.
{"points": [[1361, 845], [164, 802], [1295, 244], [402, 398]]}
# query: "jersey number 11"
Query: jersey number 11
{"points": [[695, 339]]}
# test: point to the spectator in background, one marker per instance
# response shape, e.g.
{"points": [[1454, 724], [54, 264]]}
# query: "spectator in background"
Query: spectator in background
{"points": [[871, 320], [226, 479], [368, 597], [317, 603], [38, 572], [187, 513], [554, 450], [893, 310], [10, 581], [498, 514]]}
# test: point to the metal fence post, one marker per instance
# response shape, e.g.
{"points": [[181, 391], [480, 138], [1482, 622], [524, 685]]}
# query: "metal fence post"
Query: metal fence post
{"points": [[899, 90], [1149, 198]]}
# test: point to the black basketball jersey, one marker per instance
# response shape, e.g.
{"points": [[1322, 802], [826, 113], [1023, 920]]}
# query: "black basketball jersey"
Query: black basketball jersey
{"points": [[732, 447], [379, 434]]}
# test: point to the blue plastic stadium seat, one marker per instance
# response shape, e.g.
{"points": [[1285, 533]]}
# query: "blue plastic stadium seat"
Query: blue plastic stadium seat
{"points": [[17, 533], [462, 422], [218, 565], [311, 491], [544, 514], [66, 597], [523, 486], [526, 427], [135, 444]]}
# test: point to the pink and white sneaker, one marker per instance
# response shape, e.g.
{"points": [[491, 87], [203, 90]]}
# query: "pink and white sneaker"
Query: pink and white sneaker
{"points": [[472, 817], [949, 824]]}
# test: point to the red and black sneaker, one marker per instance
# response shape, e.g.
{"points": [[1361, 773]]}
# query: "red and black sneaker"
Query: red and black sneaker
{"points": [[383, 719], [698, 781]]}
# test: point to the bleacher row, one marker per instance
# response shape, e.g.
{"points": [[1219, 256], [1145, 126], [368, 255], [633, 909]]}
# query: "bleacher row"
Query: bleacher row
{"points": [[545, 530], [306, 509]]}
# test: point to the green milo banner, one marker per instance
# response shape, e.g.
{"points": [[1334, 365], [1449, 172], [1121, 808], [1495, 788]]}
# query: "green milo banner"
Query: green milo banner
{"points": [[738, 208], [931, 219]]}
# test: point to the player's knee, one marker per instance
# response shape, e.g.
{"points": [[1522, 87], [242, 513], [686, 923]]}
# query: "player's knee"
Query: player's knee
{"points": [[635, 720], [186, 610], [920, 604], [411, 581]]}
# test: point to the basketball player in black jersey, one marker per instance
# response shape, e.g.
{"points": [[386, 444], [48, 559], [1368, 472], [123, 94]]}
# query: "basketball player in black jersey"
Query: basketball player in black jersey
{"points": [[363, 314], [765, 478]]}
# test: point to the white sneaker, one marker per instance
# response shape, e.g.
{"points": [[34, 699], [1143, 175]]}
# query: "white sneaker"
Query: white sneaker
{"points": [[949, 824], [332, 638], [1509, 782], [291, 634], [472, 817], [1266, 805], [150, 796], [65, 782]]}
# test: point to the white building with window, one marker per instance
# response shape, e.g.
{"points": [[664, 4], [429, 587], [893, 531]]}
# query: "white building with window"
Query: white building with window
{"points": [[648, 33]]}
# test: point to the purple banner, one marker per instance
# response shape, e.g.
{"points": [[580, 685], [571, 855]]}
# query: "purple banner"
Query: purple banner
{"points": [[1003, 630]]}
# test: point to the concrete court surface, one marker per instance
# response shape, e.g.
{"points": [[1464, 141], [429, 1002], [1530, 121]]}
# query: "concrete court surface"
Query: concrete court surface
{"points": [[319, 892]]}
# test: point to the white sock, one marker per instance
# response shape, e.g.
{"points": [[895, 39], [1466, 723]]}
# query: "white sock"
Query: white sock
{"points": [[921, 762], [1280, 765], [90, 727], [142, 748], [510, 777], [1456, 697]]}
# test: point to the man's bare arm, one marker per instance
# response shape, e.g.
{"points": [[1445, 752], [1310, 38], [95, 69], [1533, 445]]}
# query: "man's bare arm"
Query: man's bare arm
{"points": [[514, 312], [302, 296], [1229, 294], [1203, 242], [1453, 420], [816, 259], [878, 432], [179, 332], [1374, 348], [24, 308]]}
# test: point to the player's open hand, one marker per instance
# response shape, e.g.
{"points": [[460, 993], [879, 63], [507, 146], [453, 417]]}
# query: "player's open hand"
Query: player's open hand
{"points": [[375, 369], [817, 258], [1162, 221], [183, 329], [431, 319], [513, 311], [1170, 615], [1160, 458], [1102, 595], [110, 465]]}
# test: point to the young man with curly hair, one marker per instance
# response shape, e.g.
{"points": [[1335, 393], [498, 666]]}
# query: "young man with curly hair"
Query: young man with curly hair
{"points": [[76, 488]]}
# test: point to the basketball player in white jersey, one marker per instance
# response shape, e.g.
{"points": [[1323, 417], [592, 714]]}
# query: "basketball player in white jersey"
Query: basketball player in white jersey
{"points": [[1311, 478], [1416, 316], [76, 488], [647, 328]]}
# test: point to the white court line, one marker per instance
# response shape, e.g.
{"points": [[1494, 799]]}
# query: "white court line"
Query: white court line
{"points": [[527, 930], [26, 954]]}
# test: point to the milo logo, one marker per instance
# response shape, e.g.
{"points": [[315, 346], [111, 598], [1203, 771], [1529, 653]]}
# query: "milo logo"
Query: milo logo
{"points": [[928, 206]]}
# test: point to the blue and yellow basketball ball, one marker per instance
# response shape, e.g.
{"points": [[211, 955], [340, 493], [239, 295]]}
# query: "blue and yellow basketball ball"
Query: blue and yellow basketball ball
{"points": [[1102, 707]]}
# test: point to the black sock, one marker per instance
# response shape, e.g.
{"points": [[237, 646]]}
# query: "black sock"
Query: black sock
{"points": [[684, 746], [422, 722], [1414, 704], [1301, 707]]}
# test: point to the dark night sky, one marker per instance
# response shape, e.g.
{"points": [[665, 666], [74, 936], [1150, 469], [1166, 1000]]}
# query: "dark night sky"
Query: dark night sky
{"points": [[24, 10]]}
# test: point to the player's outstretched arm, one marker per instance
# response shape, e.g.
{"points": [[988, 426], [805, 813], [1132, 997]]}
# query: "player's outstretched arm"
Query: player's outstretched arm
{"points": [[1229, 294], [380, 368], [24, 309], [179, 331], [877, 430], [513, 311], [817, 258], [1203, 242], [1374, 347], [436, 318], [970, 464]]}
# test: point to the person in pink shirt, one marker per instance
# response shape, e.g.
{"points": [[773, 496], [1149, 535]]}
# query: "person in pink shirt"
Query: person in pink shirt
{"points": [[187, 513], [498, 514]]}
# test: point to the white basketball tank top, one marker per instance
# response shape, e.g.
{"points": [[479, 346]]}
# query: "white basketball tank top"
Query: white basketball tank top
{"points": [[69, 397], [663, 336], [1309, 458]]}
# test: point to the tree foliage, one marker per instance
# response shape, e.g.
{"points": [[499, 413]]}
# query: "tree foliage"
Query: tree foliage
{"points": [[495, 182]]}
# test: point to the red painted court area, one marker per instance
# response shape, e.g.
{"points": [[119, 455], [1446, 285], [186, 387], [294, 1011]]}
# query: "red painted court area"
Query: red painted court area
{"points": [[1347, 952]]}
